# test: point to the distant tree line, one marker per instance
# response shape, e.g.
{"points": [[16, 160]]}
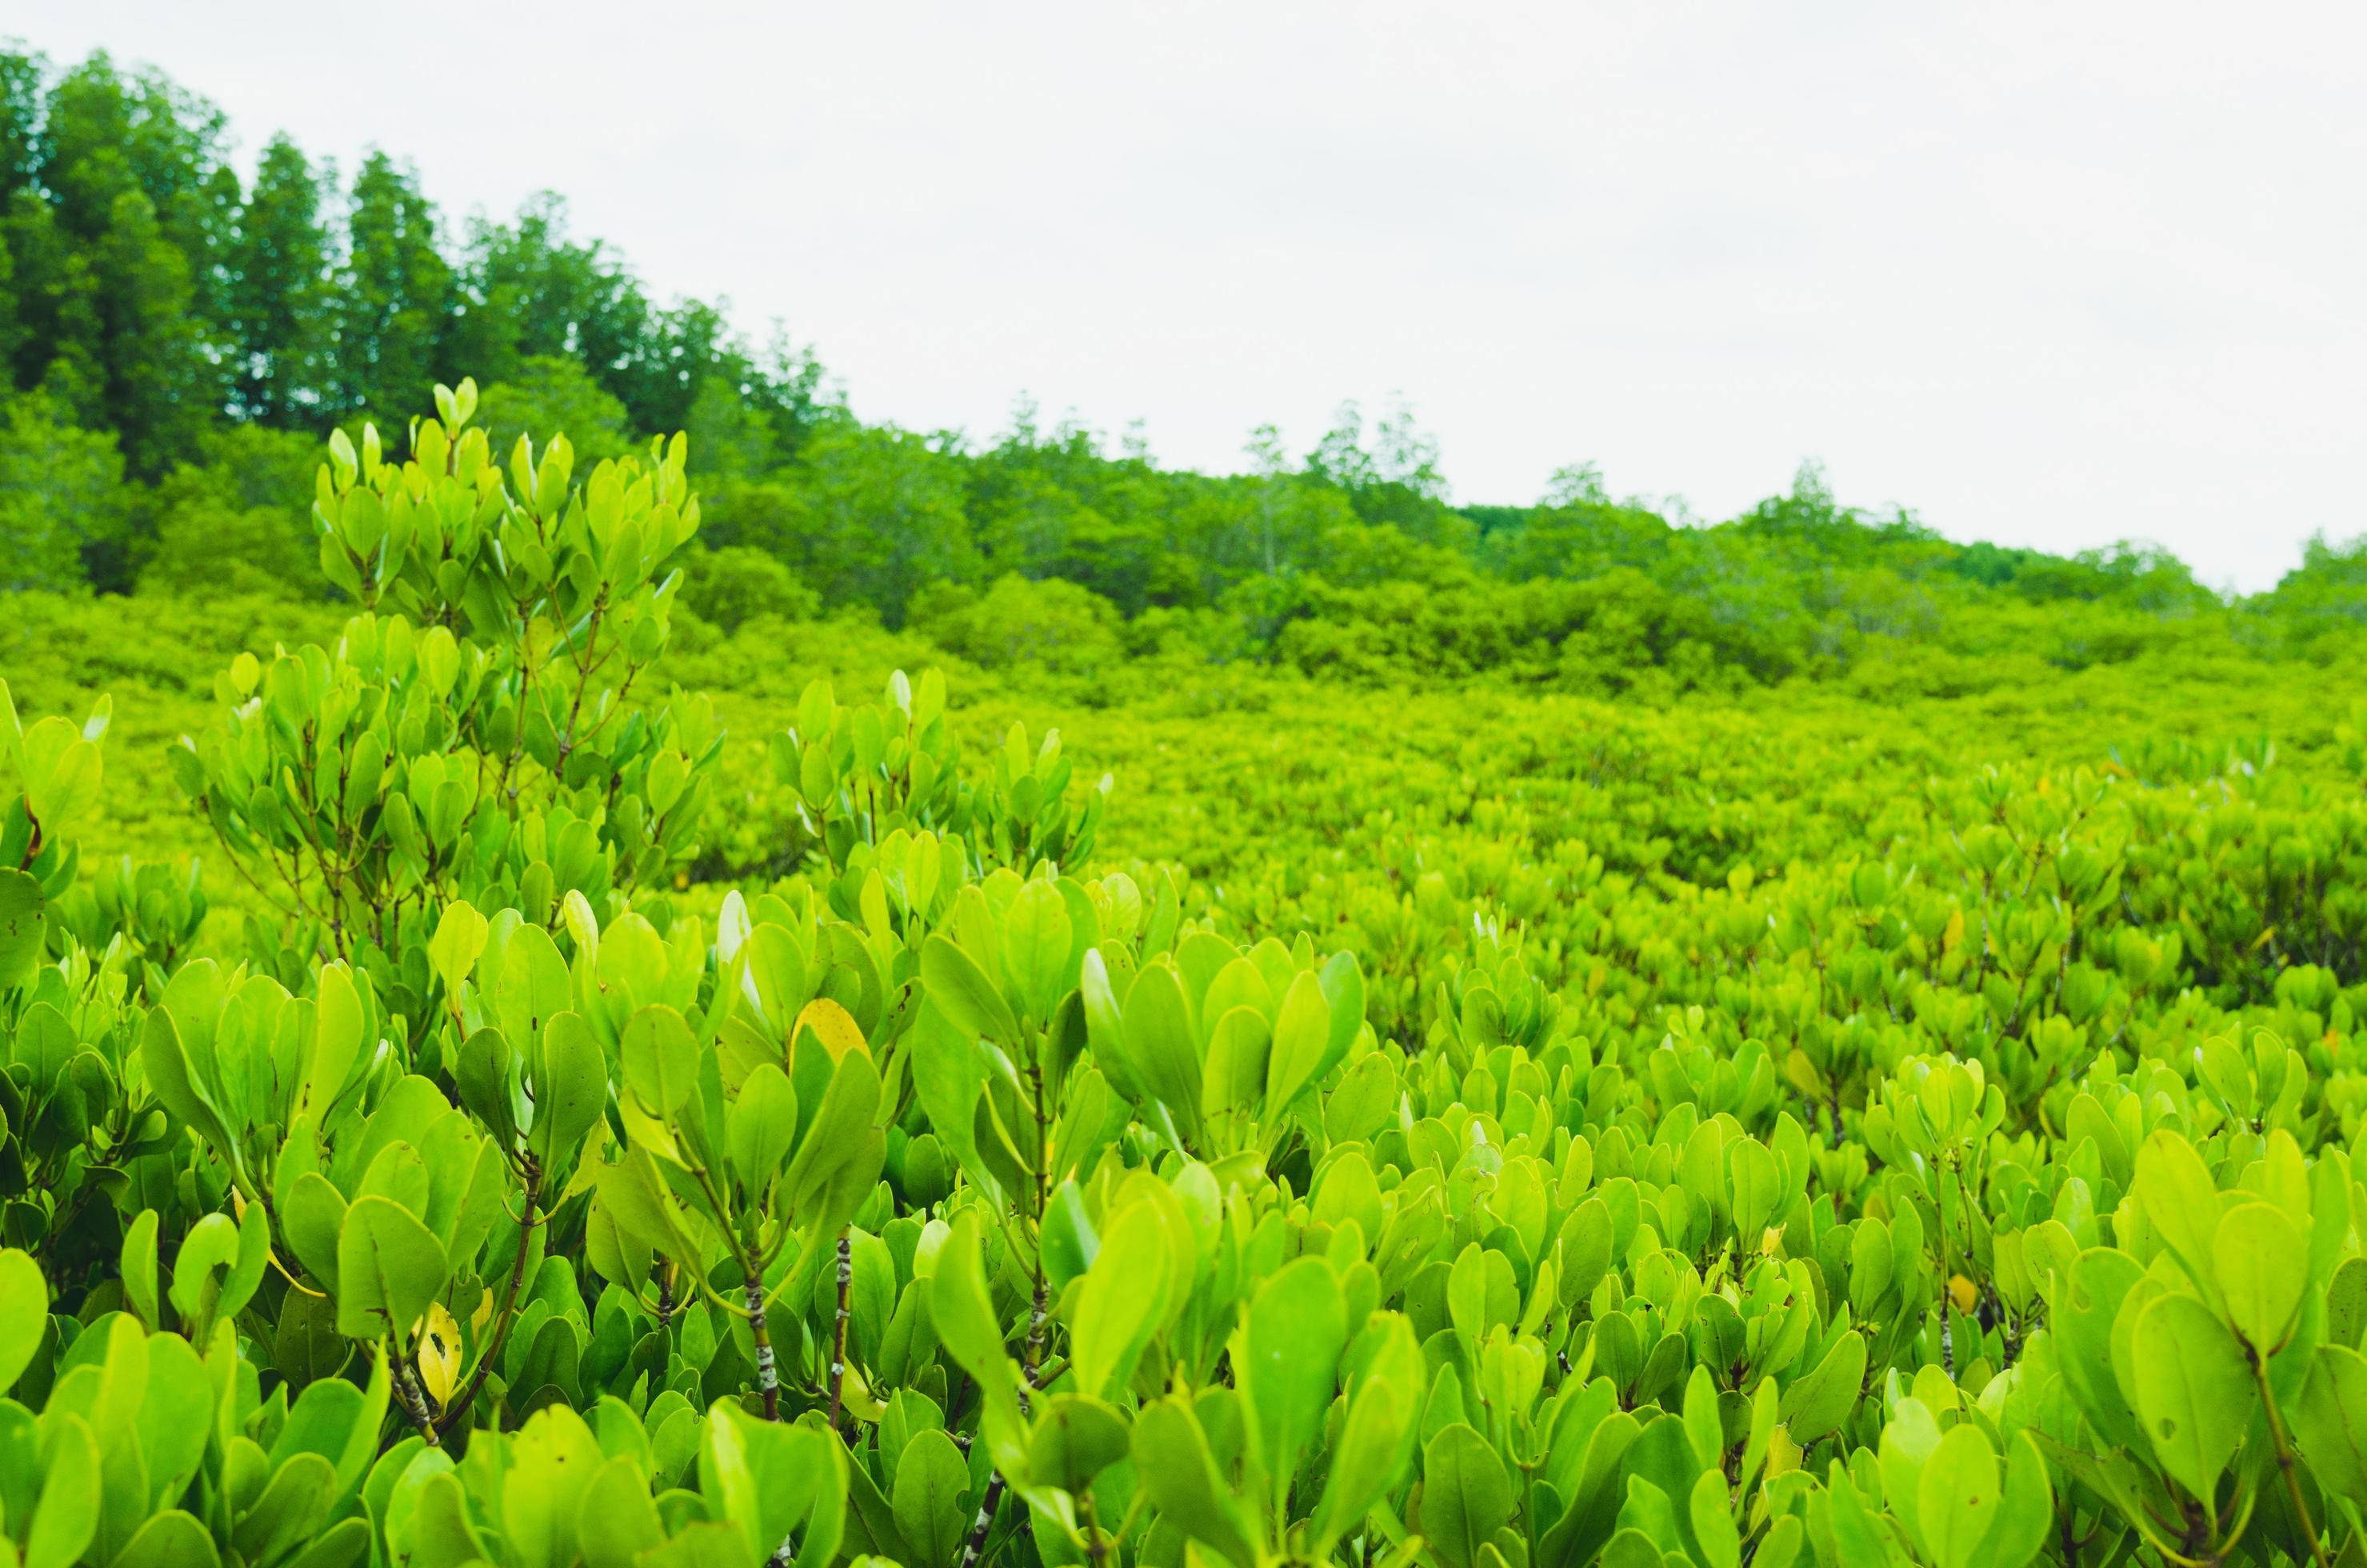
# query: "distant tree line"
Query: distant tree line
{"points": [[175, 339]]}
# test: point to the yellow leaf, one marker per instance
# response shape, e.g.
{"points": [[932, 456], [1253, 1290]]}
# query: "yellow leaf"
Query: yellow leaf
{"points": [[834, 1026], [439, 1353], [1954, 938], [1961, 1292], [1771, 1241], [860, 1401]]}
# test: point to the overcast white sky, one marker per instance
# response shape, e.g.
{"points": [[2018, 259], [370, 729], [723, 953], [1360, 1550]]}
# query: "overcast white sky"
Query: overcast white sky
{"points": [[2049, 274]]}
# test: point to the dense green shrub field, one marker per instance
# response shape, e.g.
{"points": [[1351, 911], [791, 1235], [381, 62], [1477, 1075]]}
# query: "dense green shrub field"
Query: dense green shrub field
{"points": [[515, 1068]]}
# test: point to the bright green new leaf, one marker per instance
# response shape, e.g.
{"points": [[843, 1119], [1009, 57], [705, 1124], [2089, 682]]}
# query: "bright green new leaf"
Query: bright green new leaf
{"points": [[1035, 945], [760, 1126], [1960, 1493], [337, 1040], [571, 1094], [389, 1267], [1172, 1455], [551, 1462], [1466, 1495], [1816, 1404], [2329, 1423], [1118, 1299], [2263, 1268], [66, 1519], [173, 1539], [1297, 1327], [24, 1313], [1159, 1040], [2195, 1394], [1075, 1438], [619, 1520], [660, 1059], [137, 1264], [962, 991], [22, 929], [2182, 1202], [930, 1491], [1302, 1034], [1712, 1522]]}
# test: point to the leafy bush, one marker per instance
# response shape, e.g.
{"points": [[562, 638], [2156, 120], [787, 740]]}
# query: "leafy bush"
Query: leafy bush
{"points": [[735, 585], [61, 497], [1051, 626]]}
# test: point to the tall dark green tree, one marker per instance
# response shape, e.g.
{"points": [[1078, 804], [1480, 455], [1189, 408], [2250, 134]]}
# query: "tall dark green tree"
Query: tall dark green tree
{"points": [[532, 292], [160, 380], [280, 294], [55, 342], [394, 296], [105, 133]]}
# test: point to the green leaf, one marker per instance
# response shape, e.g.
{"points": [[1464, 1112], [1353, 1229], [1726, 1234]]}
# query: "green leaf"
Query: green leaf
{"points": [[760, 1126], [1344, 992], [964, 993], [170, 1539], [571, 1094], [1466, 1495], [293, 1505], [167, 1066], [389, 1267], [22, 928], [2195, 1394], [1172, 1455], [1374, 1439], [314, 1217], [1712, 1522], [24, 1313], [932, 1482], [619, 1520], [1159, 1039], [551, 1461], [1302, 1034], [2263, 1269], [2026, 1523], [660, 1059], [210, 1249], [842, 1140], [1111, 1318], [2086, 1309], [1631, 1548], [1859, 1539], [962, 1306], [533, 987], [1074, 1440], [459, 943], [1816, 1405], [1035, 943], [2182, 1202], [1959, 1494], [337, 1040], [66, 1519], [1297, 1327], [344, 1544], [137, 1264], [2329, 1423]]}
